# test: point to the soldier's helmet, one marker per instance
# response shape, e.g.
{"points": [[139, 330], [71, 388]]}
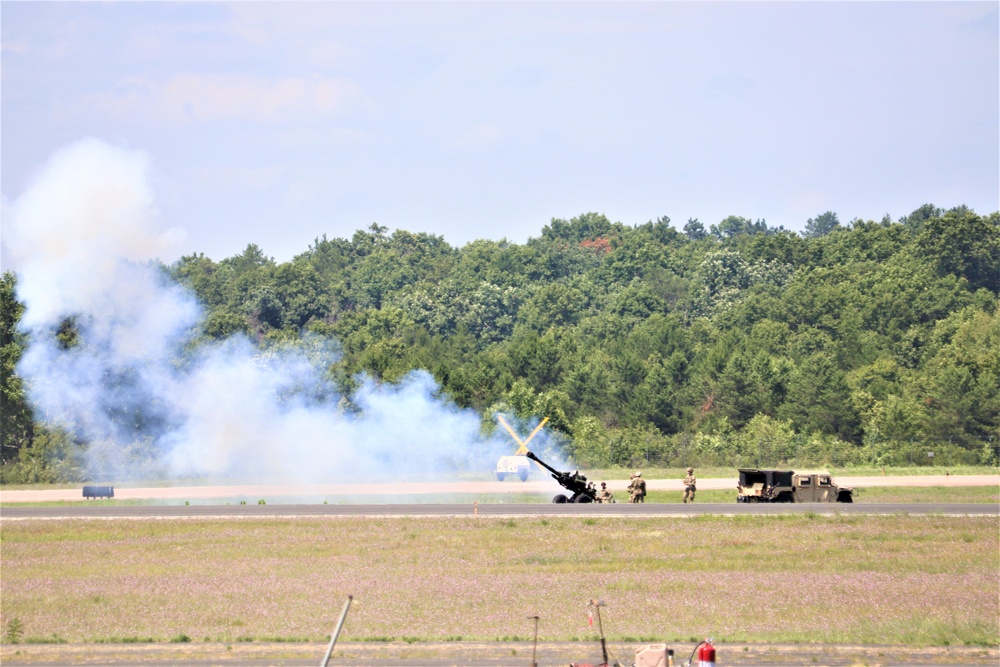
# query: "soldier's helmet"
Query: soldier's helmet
{"points": [[603, 484], [638, 473], [690, 469]]}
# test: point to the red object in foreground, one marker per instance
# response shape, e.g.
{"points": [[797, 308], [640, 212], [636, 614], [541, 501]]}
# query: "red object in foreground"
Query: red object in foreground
{"points": [[706, 654]]}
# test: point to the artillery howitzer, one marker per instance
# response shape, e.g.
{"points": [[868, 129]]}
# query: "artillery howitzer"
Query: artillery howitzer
{"points": [[582, 490]]}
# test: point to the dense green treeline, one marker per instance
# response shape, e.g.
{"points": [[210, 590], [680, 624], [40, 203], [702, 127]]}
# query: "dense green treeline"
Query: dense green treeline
{"points": [[868, 342]]}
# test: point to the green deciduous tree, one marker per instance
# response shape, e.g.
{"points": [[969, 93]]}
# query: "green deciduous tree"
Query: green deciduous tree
{"points": [[962, 379], [15, 413], [556, 304], [821, 225], [694, 230], [961, 243], [580, 228], [819, 400], [846, 344]]}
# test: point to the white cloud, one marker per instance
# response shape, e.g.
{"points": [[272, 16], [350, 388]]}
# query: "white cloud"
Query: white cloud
{"points": [[215, 97], [19, 47], [238, 97], [133, 98], [479, 137], [311, 137], [327, 53], [230, 177]]}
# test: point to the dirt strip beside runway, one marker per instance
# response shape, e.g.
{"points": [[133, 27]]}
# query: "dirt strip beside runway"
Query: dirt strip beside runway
{"points": [[446, 488], [517, 654]]}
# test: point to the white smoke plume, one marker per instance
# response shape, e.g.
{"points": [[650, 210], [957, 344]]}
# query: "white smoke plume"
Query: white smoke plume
{"points": [[84, 238]]}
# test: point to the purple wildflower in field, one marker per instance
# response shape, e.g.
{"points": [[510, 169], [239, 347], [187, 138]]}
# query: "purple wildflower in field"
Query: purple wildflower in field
{"points": [[918, 580]]}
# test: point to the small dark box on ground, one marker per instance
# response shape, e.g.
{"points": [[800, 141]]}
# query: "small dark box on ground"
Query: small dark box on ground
{"points": [[98, 492]]}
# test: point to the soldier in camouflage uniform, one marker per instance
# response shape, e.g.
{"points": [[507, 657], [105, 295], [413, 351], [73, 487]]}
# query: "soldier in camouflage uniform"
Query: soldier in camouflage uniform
{"points": [[689, 486], [637, 489], [605, 496]]}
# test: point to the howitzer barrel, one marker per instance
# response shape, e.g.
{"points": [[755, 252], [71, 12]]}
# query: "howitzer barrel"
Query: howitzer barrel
{"points": [[570, 481], [531, 455]]}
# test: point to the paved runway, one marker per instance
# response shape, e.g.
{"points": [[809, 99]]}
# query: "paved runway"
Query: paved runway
{"points": [[447, 499]]}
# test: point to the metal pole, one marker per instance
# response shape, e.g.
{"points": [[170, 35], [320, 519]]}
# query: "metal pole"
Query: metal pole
{"points": [[336, 632], [534, 647], [600, 627]]}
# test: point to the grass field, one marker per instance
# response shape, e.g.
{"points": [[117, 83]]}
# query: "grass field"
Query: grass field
{"points": [[928, 494], [928, 580]]}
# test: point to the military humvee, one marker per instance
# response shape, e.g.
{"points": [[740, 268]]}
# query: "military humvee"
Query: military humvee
{"points": [[508, 466], [788, 486]]}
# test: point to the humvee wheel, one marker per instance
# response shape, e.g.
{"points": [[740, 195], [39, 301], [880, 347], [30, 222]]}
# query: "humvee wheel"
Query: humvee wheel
{"points": [[523, 475], [500, 476], [560, 499]]}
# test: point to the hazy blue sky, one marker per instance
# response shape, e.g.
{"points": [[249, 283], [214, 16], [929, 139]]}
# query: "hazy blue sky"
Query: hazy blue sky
{"points": [[277, 123]]}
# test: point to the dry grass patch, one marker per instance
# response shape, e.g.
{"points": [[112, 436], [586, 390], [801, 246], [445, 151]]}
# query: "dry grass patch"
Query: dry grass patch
{"points": [[928, 494], [848, 579]]}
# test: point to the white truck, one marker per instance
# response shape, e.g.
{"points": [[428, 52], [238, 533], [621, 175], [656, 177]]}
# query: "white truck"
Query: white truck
{"points": [[513, 465]]}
